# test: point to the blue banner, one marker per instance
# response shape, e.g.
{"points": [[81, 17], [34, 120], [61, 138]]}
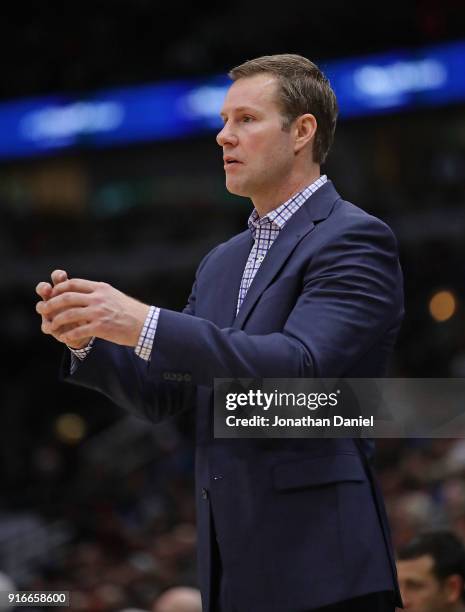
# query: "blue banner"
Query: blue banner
{"points": [[381, 83]]}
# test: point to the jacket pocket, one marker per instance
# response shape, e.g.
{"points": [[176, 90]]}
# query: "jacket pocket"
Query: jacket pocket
{"points": [[318, 471]]}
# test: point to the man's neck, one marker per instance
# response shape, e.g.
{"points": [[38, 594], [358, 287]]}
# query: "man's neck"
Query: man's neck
{"points": [[265, 203]]}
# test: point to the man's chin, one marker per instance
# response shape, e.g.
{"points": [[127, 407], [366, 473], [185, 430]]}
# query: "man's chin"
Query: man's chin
{"points": [[237, 189]]}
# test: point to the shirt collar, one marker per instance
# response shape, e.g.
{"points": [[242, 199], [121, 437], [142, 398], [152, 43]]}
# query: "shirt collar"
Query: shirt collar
{"points": [[278, 217]]}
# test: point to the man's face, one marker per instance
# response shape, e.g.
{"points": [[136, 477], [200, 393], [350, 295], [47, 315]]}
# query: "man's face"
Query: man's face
{"points": [[421, 590], [259, 154]]}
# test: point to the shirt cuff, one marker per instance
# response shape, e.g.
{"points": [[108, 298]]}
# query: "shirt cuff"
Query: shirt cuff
{"points": [[147, 335], [82, 353]]}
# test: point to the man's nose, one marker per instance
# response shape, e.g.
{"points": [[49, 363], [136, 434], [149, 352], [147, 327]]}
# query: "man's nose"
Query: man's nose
{"points": [[226, 136]]}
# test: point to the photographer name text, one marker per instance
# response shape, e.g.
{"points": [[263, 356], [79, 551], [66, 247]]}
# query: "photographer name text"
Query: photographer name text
{"points": [[306, 421]]}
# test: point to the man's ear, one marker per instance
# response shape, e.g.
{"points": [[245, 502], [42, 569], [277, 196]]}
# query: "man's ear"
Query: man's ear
{"points": [[453, 587], [304, 129]]}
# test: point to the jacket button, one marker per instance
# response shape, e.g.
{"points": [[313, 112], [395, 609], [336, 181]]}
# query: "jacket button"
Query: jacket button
{"points": [[204, 493]]}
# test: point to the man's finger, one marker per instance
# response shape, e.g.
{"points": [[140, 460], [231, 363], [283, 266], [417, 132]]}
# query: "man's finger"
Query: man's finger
{"points": [[79, 285], [59, 276], [45, 326], [45, 319], [72, 316], [62, 302], [44, 290]]}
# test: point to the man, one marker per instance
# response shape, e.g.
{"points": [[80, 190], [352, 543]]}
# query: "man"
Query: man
{"points": [[432, 573], [312, 288]]}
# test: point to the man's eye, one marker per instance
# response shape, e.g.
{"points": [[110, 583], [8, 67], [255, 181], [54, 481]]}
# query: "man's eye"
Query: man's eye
{"points": [[246, 119]]}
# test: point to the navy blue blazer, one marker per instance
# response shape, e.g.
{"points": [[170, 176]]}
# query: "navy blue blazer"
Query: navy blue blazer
{"points": [[300, 523]]}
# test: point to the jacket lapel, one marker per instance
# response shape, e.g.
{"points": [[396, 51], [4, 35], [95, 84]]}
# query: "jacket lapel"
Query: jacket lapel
{"points": [[228, 280], [316, 208]]}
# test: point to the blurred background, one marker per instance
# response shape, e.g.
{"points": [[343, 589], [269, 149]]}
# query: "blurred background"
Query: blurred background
{"points": [[109, 169]]}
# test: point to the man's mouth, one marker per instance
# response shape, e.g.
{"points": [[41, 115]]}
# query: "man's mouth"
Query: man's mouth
{"points": [[229, 161]]}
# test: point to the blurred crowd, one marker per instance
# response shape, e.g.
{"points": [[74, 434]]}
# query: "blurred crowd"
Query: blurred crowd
{"points": [[120, 532], [423, 481]]}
